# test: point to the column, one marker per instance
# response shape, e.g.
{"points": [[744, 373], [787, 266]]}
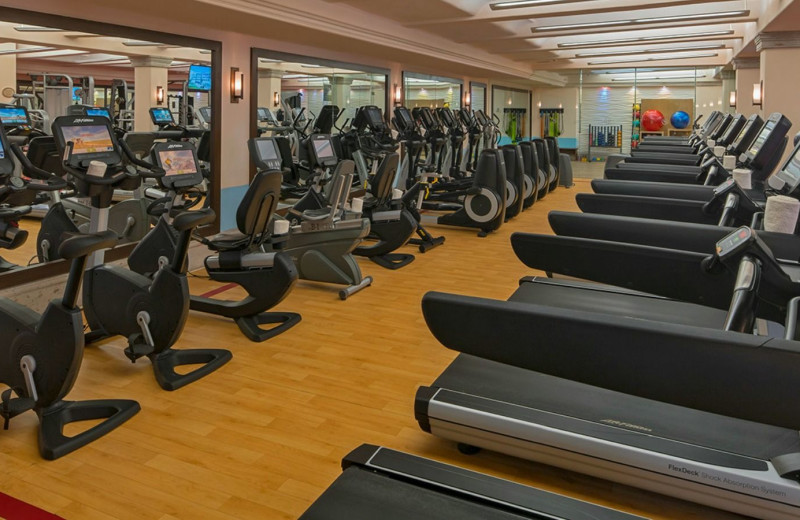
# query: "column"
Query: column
{"points": [[780, 54], [149, 72], [269, 82], [8, 72], [747, 74], [340, 93], [728, 85]]}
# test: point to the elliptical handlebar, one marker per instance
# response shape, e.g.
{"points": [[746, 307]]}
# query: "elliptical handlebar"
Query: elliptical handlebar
{"points": [[152, 170]]}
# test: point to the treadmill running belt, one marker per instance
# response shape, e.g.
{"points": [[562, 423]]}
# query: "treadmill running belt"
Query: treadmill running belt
{"points": [[619, 417]]}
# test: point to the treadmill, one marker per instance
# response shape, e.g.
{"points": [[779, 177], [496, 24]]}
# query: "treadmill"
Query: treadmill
{"points": [[698, 172], [383, 483], [640, 199], [705, 415]]}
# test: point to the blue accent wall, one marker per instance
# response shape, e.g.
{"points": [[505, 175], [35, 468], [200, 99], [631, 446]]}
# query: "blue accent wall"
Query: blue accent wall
{"points": [[229, 201]]}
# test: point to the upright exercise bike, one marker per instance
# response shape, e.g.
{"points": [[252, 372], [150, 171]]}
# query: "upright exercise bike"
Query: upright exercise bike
{"points": [[150, 313], [41, 356]]}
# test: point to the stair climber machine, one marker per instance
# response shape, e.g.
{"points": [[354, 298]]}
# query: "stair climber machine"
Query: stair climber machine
{"points": [[19, 190], [321, 241], [382, 483], [435, 136], [640, 392], [454, 148], [238, 257], [42, 357], [658, 199], [149, 312], [410, 178], [474, 136]]}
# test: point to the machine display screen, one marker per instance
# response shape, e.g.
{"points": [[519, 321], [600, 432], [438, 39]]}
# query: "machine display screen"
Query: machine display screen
{"points": [[199, 78], [734, 241], [88, 139], [762, 138], [406, 117], [14, 116], [177, 162], [262, 114], [161, 116], [375, 119], [2, 150], [97, 111], [324, 149], [266, 150], [742, 133], [206, 113]]}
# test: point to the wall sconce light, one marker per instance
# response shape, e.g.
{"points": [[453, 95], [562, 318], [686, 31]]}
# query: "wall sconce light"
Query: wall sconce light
{"points": [[733, 99], [276, 99], [467, 99], [398, 95], [237, 85], [758, 94], [160, 95]]}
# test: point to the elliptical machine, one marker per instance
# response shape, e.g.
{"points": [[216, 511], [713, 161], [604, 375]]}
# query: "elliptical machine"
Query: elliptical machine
{"points": [[267, 277], [150, 313], [41, 358]]}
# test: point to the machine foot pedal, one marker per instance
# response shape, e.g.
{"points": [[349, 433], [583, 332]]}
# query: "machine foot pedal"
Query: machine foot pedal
{"points": [[165, 362], [251, 325], [11, 407], [52, 441], [393, 260]]}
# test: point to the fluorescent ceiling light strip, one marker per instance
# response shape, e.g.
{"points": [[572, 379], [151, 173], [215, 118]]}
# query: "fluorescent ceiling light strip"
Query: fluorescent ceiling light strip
{"points": [[608, 62], [644, 39], [651, 51], [26, 50], [688, 17], [36, 28], [519, 4], [657, 78]]}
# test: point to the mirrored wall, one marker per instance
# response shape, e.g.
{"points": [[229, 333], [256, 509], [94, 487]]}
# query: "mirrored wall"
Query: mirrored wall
{"points": [[60, 68], [512, 109], [423, 90], [293, 89], [477, 96]]}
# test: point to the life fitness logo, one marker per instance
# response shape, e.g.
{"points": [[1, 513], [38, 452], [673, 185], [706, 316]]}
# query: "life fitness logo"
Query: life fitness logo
{"points": [[175, 146], [83, 120]]}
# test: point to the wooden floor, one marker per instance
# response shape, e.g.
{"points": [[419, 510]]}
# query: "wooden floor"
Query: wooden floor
{"points": [[264, 436]]}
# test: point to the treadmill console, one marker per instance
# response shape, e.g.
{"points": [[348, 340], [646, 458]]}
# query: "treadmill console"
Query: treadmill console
{"points": [[265, 153], [724, 188], [787, 180], [735, 242], [768, 143], [747, 135], [322, 148]]}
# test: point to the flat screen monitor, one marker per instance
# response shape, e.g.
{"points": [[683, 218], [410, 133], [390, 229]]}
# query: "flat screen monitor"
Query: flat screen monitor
{"points": [[98, 111], [14, 116], [263, 114], [199, 78], [177, 162], [762, 138], [161, 116], [323, 148], [88, 139], [266, 150]]}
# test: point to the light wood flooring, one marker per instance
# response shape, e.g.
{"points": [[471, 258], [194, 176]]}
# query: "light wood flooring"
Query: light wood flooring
{"points": [[263, 437]]}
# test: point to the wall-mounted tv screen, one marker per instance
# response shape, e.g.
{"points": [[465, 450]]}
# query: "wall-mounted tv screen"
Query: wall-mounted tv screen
{"points": [[199, 78]]}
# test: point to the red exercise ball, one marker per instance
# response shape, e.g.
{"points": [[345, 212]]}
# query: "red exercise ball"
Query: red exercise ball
{"points": [[653, 120]]}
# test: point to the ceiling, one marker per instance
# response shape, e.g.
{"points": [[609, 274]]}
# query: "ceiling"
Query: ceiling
{"points": [[578, 34]]}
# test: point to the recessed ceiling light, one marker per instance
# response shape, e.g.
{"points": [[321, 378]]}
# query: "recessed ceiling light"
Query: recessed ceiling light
{"points": [[26, 50], [595, 43], [519, 4], [36, 28], [680, 18], [669, 58], [650, 51]]}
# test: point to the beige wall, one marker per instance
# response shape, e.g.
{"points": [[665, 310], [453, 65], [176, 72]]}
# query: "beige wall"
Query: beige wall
{"points": [[780, 75], [745, 79]]}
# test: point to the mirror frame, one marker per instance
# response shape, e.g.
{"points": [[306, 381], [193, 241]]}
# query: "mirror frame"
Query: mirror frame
{"points": [[8, 14]]}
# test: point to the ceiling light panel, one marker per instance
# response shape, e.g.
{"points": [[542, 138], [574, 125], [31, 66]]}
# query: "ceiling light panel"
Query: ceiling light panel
{"points": [[616, 41], [665, 58], [521, 4], [680, 18], [651, 51]]}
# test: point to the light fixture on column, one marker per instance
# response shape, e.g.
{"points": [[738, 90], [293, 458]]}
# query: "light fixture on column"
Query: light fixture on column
{"points": [[758, 94], [733, 99], [237, 85], [398, 95], [160, 95], [467, 99], [276, 99]]}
